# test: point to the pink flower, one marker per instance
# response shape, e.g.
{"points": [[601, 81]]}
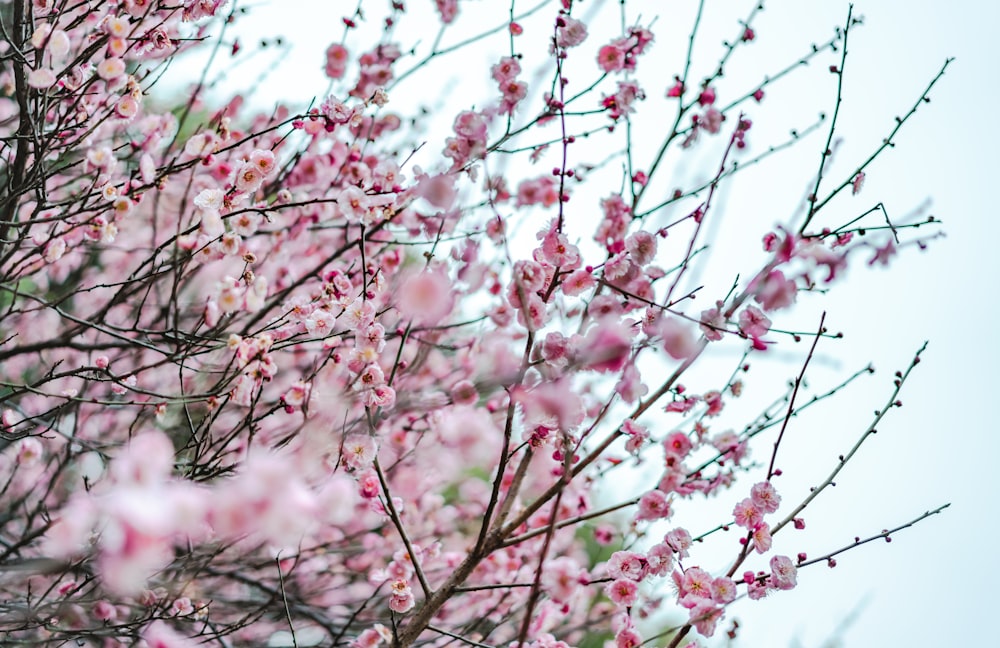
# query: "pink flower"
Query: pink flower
{"points": [[765, 496], [296, 394], [620, 104], [41, 78], [249, 178], [630, 387], [320, 323], [529, 276], [660, 558], [628, 565], [369, 485], [360, 451], [558, 251], [713, 400], [369, 638], [577, 282], [756, 591], [447, 9], [354, 204], [181, 607], [539, 191], [761, 539], [713, 323], [619, 268], [382, 396], [695, 584], [571, 32], [359, 313], [712, 121], [426, 298], [147, 461], [159, 635], [783, 572], [263, 160], [562, 578], [678, 339], [513, 93], [704, 617], [653, 505], [471, 126], [105, 611], [111, 68], [680, 541], [754, 323], [723, 590], [611, 58], [127, 107], [336, 61], [54, 250], [622, 592], [641, 247], [401, 597], [506, 70], [628, 638], [438, 190], [608, 345], [730, 445], [775, 291], [677, 444], [29, 451], [464, 393], [553, 405], [747, 514]]}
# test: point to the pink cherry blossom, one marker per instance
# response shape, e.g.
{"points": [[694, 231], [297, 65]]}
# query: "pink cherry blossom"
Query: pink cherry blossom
{"points": [[680, 541], [380, 368], [359, 451], [753, 322], [623, 592], [748, 514], [159, 635], [611, 58], [723, 590], [677, 444], [336, 61], [653, 505], [765, 496], [401, 598], [628, 565], [628, 638], [704, 617], [783, 572], [571, 32], [761, 539], [776, 292]]}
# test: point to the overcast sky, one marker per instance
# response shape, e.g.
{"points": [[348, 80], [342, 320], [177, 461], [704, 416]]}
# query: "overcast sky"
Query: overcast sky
{"points": [[936, 583]]}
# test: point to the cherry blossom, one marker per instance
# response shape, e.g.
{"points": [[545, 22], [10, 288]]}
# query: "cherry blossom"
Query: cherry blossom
{"points": [[393, 366]]}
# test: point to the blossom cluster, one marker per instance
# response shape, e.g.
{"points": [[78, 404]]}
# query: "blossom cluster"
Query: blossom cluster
{"points": [[265, 375]]}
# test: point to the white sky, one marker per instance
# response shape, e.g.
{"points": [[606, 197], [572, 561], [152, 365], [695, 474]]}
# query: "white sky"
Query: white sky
{"points": [[935, 584]]}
